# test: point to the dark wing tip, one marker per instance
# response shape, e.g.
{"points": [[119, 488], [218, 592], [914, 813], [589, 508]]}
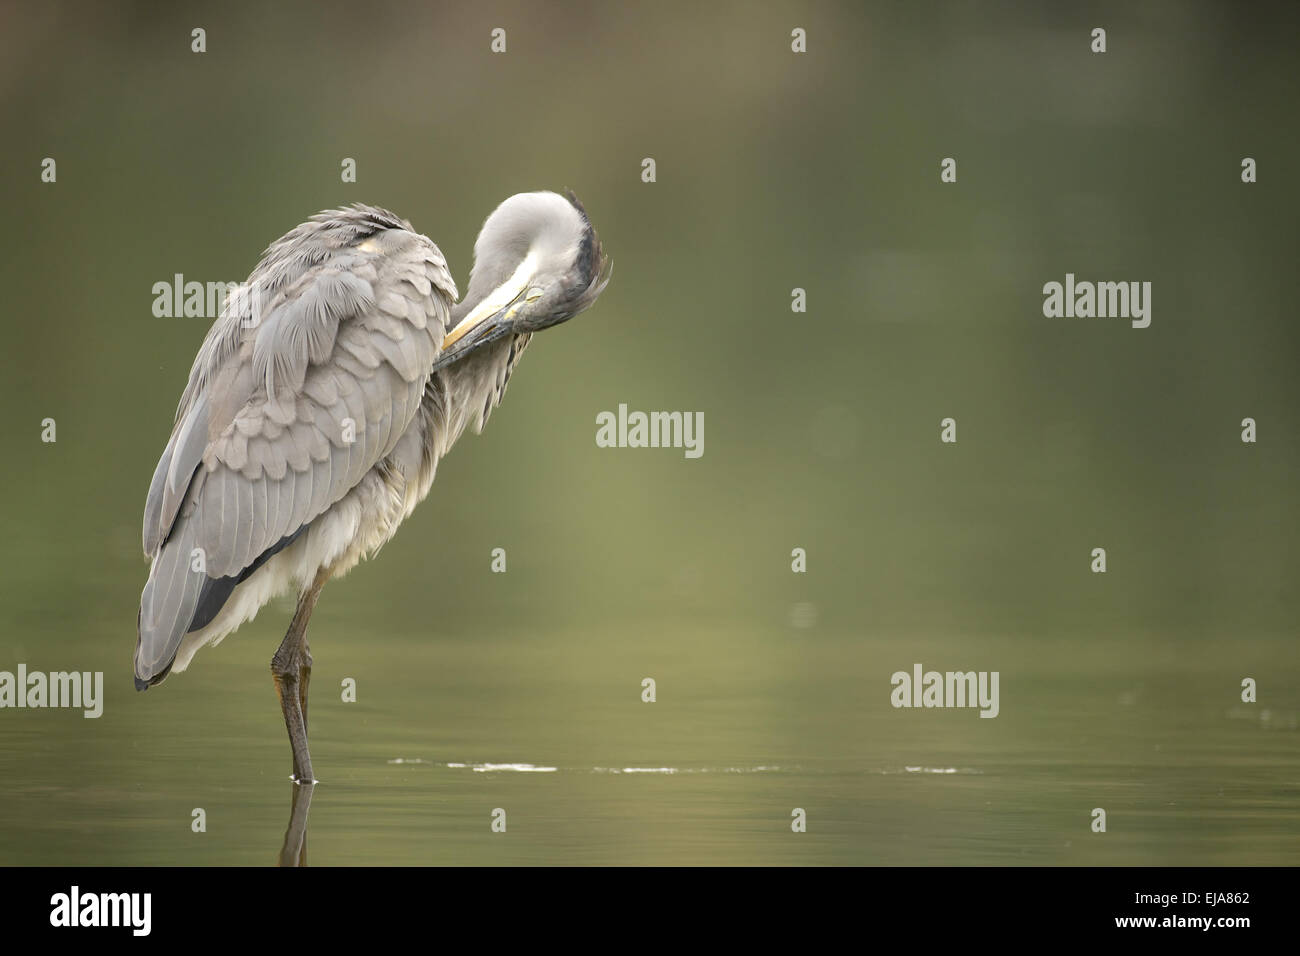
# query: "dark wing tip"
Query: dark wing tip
{"points": [[144, 683]]}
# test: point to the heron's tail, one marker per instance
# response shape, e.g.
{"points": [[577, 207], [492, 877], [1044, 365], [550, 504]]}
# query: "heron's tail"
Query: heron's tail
{"points": [[167, 606]]}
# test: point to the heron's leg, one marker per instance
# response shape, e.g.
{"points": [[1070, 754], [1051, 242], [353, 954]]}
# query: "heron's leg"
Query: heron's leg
{"points": [[286, 688], [304, 679], [286, 670]]}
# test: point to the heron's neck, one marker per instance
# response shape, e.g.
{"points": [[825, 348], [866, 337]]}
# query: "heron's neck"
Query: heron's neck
{"points": [[495, 286]]}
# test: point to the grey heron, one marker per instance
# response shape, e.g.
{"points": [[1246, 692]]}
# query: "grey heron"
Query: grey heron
{"points": [[318, 408]]}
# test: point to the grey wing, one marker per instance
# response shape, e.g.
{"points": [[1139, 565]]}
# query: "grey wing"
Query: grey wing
{"points": [[282, 418]]}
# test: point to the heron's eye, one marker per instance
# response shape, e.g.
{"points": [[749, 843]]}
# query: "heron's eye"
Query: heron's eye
{"points": [[533, 294]]}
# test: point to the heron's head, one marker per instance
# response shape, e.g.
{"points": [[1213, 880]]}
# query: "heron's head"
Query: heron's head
{"points": [[537, 263]]}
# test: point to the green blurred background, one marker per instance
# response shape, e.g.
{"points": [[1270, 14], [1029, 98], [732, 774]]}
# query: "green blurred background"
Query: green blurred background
{"points": [[775, 171]]}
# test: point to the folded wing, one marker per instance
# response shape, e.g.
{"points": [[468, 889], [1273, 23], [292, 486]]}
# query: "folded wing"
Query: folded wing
{"points": [[305, 383]]}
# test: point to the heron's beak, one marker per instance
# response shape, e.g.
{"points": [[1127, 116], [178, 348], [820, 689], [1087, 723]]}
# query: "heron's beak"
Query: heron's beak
{"points": [[485, 324], [491, 318]]}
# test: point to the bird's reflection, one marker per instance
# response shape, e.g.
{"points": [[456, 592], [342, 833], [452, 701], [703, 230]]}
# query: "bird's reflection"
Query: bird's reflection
{"points": [[294, 851]]}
